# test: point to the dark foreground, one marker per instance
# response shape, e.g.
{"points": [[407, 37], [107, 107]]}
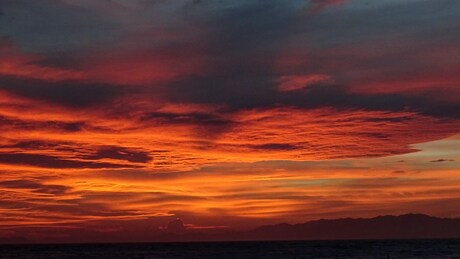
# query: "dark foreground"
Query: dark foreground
{"points": [[446, 248]]}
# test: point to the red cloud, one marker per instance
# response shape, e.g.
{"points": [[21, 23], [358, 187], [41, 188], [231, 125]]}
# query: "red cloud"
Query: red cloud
{"points": [[15, 63], [317, 6], [299, 82]]}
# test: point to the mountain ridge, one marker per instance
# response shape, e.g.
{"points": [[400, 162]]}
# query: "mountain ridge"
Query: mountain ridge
{"points": [[412, 225], [406, 226]]}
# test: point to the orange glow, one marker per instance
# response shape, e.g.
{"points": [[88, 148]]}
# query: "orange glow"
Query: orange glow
{"points": [[188, 171]]}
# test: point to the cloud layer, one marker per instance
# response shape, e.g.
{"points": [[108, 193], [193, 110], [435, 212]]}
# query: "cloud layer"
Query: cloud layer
{"points": [[118, 115]]}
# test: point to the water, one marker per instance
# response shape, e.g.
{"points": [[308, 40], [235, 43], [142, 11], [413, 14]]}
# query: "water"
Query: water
{"points": [[446, 248]]}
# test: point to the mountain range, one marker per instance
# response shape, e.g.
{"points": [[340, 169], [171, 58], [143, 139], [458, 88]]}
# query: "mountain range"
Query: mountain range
{"points": [[381, 227], [408, 226]]}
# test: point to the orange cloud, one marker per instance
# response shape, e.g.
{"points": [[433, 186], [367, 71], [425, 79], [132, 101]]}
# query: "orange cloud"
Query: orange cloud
{"points": [[181, 137], [168, 162]]}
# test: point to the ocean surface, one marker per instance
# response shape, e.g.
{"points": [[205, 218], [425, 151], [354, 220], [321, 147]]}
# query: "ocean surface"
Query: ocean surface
{"points": [[445, 248]]}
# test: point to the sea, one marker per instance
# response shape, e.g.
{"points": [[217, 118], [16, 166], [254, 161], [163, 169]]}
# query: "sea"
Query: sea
{"points": [[426, 248]]}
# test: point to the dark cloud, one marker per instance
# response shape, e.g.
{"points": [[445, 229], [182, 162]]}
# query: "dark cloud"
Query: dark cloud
{"points": [[51, 26], [35, 186], [14, 123], [244, 40], [394, 119], [84, 152], [375, 135], [275, 146], [243, 51], [120, 153], [368, 20], [442, 160], [339, 97], [40, 145], [67, 93], [237, 94], [187, 118], [58, 60], [48, 161], [317, 6]]}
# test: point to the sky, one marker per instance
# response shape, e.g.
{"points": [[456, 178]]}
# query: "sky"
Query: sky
{"points": [[119, 116]]}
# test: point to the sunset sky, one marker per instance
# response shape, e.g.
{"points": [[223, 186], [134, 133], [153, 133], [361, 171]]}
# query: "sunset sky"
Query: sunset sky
{"points": [[119, 116]]}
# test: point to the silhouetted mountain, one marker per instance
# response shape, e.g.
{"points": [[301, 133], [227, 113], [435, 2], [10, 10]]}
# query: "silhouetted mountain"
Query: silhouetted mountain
{"points": [[409, 226], [381, 227]]}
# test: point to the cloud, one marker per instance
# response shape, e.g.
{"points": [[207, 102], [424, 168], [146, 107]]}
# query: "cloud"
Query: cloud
{"points": [[51, 26], [119, 153], [442, 160], [274, 146], [180, 137], [35, 186], [197, 118], [18, 124], [67, 93], [82, 156], [47, 161], [256, 93], [153, 110], [317, 6], [299, 82]]}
